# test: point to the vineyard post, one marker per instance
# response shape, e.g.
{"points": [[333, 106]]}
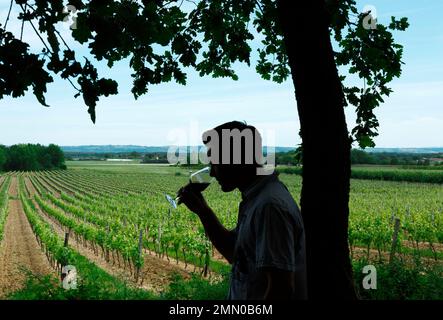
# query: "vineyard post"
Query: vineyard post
{"points": [[206, 267], [67, 238], [63, 263], [184, 257], [106, 247], [394, 240], [147, 237], [140, 248], [159, 239]]}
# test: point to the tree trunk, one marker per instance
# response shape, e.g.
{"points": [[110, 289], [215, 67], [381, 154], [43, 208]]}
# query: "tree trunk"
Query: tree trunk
{"points": [[326, 148]]}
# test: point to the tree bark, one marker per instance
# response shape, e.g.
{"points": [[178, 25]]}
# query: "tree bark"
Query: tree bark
{"points": [[326, 147]]}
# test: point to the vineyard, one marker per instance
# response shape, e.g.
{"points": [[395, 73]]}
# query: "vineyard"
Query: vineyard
{"points": [[114, 224]]}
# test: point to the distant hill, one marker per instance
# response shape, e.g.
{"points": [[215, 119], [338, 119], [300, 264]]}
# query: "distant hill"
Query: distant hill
{"points": [[114, 149], [405, 150], [131, 148], [162, 149]]}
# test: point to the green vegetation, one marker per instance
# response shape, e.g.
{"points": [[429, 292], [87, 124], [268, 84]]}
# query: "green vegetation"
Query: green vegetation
{"points": [[399, 281], [196, 289], [414, 174], [393, 158], [94, 283], [31, 157], [107, 205], [407, 160], [423, 176], [2, 157], [395, 281], [418, 161], [4, 187]]}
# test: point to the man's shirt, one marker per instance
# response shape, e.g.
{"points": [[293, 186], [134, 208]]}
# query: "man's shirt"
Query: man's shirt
{"points": [[270, 235]]}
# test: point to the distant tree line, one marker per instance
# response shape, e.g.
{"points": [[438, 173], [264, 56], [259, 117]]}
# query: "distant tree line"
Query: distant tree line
{"points": [[97, 156], [292, 158], [153, 157], [156, 157], [361, 157], [31, 157], [388, 158]]}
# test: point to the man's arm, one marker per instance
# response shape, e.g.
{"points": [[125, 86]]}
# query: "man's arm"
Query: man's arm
{"points": [[223, 239]]}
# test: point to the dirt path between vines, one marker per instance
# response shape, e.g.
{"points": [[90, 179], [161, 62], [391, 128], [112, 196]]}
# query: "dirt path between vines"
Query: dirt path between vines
{"points": [[19, 249], [156, 272], [374, 256]]}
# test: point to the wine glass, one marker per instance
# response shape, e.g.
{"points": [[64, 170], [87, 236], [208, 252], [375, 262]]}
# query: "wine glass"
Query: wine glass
{"points": [[198, 181]]}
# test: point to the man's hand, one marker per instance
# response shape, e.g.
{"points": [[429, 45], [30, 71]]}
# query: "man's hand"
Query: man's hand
{"points": [[193, 199]]}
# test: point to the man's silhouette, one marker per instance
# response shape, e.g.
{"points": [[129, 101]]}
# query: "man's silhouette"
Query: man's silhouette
{"points": [[267, 247]]}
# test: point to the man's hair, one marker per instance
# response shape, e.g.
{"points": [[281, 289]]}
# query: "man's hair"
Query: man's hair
{"points": [[234, 143]]}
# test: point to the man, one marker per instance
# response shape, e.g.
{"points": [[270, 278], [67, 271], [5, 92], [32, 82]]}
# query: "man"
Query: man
{"points": [[267, 247]]}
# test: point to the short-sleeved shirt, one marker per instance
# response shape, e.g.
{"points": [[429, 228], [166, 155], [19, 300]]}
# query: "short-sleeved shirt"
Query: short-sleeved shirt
{"points": [[269, 235]]}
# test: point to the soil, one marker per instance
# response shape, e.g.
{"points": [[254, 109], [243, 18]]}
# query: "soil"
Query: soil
{"points": [[19, 250], [438, 247], [374, 255]]}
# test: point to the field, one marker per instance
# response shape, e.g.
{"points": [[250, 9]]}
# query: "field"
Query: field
{"points": [[423, 174], [127, 242]]}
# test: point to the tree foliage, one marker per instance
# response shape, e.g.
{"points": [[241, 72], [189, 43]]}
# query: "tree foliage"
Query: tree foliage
{"points": [[163, 40], [2, 157], [30, 157]]}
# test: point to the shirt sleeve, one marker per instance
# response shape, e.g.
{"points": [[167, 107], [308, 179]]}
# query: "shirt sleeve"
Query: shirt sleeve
{"points": [[275, 238]]}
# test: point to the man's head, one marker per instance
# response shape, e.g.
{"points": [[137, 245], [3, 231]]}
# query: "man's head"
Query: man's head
{"points": [[234, 152]]}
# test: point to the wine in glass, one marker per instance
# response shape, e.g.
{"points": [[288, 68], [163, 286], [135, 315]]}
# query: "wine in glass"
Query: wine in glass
{"points": [[198, 181]]}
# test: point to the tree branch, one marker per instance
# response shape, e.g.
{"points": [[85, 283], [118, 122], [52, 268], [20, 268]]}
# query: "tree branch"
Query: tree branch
{"points": [[23, 25], [73, 85], [9, 13], [44, 43], [35, 30], [63, 40]]}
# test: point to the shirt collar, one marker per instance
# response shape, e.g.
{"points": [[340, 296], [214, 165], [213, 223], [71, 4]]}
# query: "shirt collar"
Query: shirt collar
{"points": [[257, 185]]}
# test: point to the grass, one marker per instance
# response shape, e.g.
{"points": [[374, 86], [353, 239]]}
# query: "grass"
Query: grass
{"points": [[48, 287], [397, 281], [96, 284], [196, 289]]}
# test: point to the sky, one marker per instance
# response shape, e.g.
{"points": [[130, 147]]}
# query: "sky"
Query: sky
{"points": [[173, 114]]}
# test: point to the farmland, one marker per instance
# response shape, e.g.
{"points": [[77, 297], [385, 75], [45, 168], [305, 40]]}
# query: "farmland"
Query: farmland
{"points": [[126, 241]]}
